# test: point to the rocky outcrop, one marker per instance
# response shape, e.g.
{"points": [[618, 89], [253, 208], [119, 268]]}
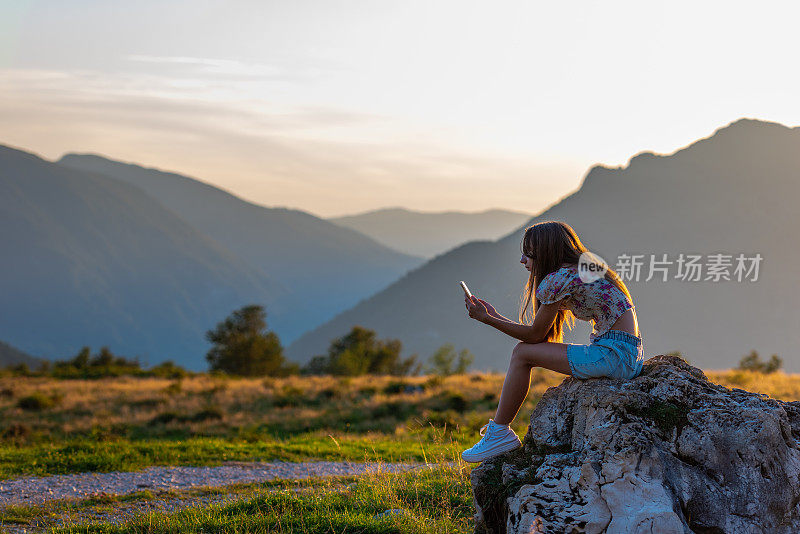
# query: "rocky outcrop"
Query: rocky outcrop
{"points": [[666, 452]]}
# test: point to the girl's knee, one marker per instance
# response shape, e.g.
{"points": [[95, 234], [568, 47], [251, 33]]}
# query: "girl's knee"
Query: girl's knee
{"points": [[521, 356]]}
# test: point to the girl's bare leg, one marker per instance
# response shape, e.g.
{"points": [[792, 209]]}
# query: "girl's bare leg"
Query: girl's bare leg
{"points": [[525, 357]]}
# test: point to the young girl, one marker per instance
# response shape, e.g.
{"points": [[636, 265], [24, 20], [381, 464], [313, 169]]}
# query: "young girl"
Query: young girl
{"points": [[550, 251]]}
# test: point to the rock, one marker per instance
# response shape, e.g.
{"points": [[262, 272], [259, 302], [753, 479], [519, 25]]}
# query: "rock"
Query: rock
{"points": [[666, 452]]}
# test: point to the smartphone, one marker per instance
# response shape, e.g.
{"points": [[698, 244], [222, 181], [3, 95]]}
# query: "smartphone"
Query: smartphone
{"points": [[466, 290]]}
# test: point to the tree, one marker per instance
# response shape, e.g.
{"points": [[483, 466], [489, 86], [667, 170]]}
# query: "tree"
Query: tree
{"points": [[441, 362], [243, 346], [359, 353], [103, 359], [752, 362], [81, 360]]}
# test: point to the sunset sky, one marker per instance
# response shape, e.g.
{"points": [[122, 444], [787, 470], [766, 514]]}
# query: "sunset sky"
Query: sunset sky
{"points": [[341, 107]]}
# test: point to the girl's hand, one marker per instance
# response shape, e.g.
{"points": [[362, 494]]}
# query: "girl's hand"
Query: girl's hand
{"points": [[489, 308], [477, 310]]}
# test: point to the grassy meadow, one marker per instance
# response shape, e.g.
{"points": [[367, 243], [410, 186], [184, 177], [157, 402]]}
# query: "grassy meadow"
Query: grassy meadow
{"points": [[56, 426], [60, 426]]}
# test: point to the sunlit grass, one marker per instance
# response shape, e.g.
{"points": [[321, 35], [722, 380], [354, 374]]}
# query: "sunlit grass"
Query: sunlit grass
{"points": [[438, 499], [130, 423], [124, 455], [52, 426]]}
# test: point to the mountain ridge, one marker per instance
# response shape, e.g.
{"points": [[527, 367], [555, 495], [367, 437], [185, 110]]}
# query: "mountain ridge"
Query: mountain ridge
{"points": [[430, 233], [710, 195], [99, 262], [325, 268]]}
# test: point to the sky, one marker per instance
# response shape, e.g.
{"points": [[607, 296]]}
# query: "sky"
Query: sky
{"points": [[339, 107]]}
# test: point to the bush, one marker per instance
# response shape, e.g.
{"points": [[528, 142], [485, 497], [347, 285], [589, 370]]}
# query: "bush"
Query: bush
{"points": [[445, 361], [165, 418], [450, 401], [16, 432], [168, 369], [174, 388], [367, 391], [360, 353], [330, 393], [289, 396], [394, 388], [105, 364], [433, 382], [210, 413], [752, 362], [39, 401]]}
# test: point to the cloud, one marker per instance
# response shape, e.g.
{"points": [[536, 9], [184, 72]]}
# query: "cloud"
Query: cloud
{"points": [[324, 160], [295, 71]]}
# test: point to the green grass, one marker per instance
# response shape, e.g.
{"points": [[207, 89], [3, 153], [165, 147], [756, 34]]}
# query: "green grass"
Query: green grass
{"points": [[432, 500], [48, 513], [125, 455]]}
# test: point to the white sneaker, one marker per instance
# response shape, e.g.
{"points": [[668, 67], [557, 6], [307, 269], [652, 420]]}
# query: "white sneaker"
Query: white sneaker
{"points": [[496, 439]]}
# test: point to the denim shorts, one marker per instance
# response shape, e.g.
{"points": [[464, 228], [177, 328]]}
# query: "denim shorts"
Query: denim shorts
{"points": [[615, 354]]}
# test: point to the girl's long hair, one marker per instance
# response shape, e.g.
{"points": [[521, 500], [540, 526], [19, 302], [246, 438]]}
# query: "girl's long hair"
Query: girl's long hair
{"points": [[552, 244]]}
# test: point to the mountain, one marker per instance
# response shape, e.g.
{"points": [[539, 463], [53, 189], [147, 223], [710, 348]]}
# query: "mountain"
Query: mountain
{"points": [[93, 261], [326, 268], [430, 234], [733, 192], [13, 356]]}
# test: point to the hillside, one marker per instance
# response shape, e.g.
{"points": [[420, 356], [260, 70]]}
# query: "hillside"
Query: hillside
{"points": [[429, 234], [326, 268], [732, 192], [94, 261], [13, 356]]}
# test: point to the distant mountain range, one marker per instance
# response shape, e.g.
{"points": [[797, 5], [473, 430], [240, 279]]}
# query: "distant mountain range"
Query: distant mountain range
{"points": [[734, 192], [322, 267], [94, 261], [99, 252], [429, 234]]}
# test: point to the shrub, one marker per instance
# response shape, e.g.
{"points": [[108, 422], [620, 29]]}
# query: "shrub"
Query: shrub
{"points": [[174, 388], [153, 402], [39, 401], [102, 364], [290, 396], [210, 413], [368, 391], [433, 382], [445, 361], [168, 369], [752, 362], [17, 432], [329, 393], [394, 388], [165, 417], [448, 420], [360, 352], [450, 400]]}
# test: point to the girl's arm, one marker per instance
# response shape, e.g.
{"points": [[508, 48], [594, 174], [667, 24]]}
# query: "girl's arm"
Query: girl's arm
{"points": [[535, 333]]}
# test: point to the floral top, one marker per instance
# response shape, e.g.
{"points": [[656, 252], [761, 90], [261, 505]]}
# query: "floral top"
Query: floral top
{"points": [[599, 301]]}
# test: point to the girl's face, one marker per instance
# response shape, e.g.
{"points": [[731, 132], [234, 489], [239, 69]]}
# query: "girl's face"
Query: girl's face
{"points": [[527, 261]]}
